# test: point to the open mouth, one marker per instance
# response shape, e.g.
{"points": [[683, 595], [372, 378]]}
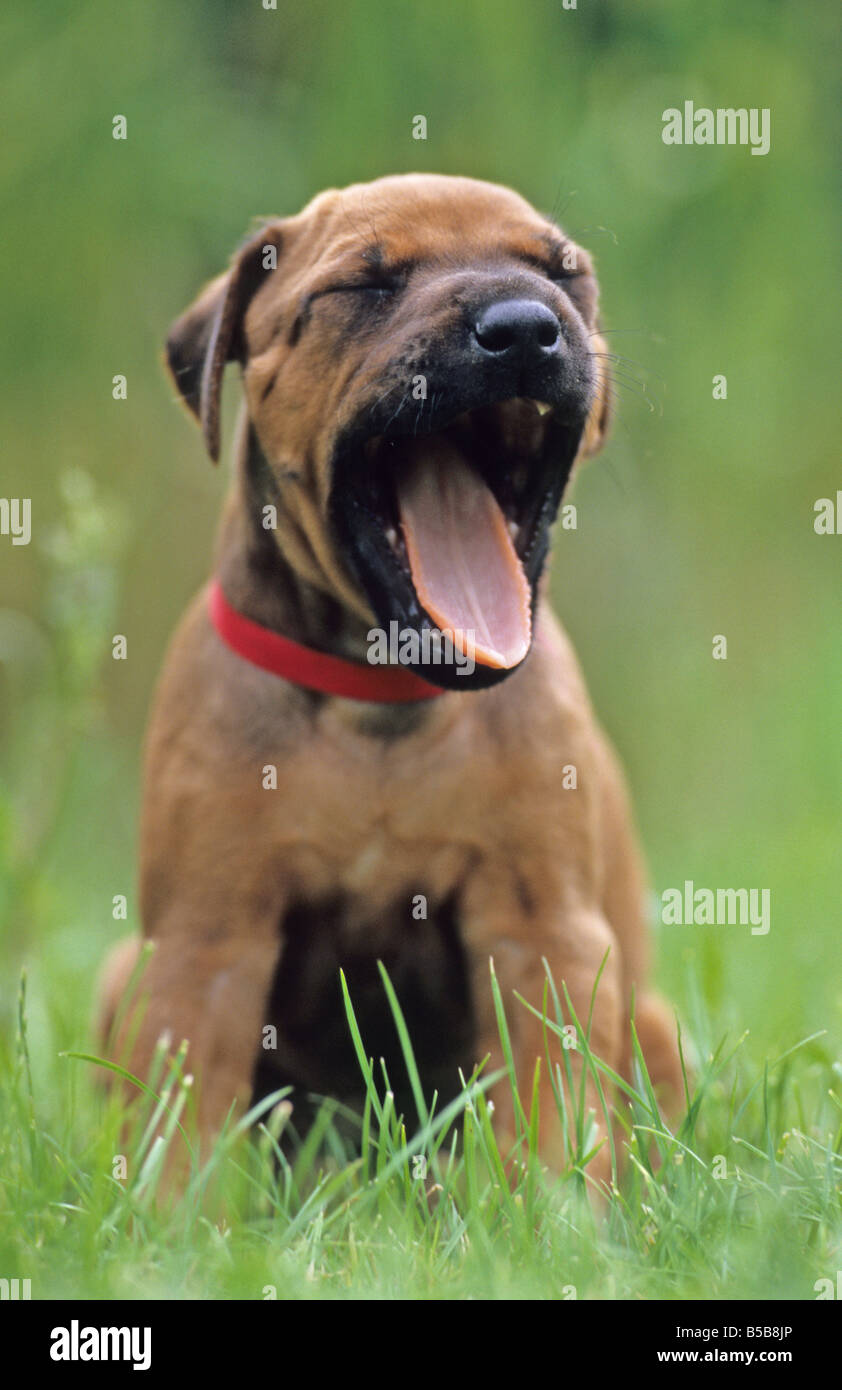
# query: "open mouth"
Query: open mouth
{"points": [[449, 530]]}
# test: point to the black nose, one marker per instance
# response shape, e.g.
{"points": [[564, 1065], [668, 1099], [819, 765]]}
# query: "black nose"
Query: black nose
{"points": [[512, 328]]}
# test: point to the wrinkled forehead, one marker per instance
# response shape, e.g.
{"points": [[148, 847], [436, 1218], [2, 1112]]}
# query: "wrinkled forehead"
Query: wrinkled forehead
{"points": [[408, 220]]}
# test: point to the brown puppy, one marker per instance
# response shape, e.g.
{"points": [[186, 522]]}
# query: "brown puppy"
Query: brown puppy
{"points": [[421, 374]]}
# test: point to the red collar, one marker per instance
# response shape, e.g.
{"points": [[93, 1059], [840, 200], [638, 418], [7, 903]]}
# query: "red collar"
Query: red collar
{"points": [[332, 675]]}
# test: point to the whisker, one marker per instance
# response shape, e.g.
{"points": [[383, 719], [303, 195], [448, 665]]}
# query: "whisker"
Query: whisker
{"points": [[612, 332], [396, 410], [557, 212], [632, 385], [631, 368], [624, 379], [586, 231]]}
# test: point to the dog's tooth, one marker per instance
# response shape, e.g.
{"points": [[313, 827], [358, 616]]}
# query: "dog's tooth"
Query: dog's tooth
{"points": [[392, 537], [514, 530], [542, 407]]}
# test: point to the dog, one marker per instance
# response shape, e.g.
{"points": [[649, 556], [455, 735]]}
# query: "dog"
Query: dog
{"points": [[422, 371]]}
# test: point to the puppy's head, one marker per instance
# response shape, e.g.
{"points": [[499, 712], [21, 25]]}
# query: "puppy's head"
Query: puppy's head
{"points": [[422, 370]]}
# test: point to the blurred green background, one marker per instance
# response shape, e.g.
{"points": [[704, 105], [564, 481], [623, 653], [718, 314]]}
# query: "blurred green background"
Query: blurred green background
{"points": [[697, 520]]}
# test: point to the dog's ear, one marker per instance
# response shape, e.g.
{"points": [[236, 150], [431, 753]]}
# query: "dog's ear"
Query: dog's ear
{"points": [[210, 332], [602, 410]]}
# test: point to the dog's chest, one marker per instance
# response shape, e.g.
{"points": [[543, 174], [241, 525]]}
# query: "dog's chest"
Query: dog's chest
{"points": [[381, 824], [368, 824], [424, 958]]}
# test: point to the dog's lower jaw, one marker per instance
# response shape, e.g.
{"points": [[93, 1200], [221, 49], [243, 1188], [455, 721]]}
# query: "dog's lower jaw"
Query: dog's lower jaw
{"points": [[261, 583], [449, 538]]}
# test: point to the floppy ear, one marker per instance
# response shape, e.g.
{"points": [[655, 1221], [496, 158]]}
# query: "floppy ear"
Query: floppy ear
{"points": [[602, 410], [209, 333]]}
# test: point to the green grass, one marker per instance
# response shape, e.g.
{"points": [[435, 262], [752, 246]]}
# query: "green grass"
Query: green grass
{"points": [[739, 1200]]}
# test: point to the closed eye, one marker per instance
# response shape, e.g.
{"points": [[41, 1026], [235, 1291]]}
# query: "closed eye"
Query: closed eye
{"points": [[373, 287], [374, 290]]}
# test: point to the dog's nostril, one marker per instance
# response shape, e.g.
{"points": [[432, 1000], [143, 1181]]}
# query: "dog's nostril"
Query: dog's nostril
{"points": [[549, 332], [495, 339], [524, 325]]}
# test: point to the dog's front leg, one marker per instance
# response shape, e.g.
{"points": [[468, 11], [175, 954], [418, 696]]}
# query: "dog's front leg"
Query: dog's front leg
{"points": [[208, 989], [574, 949]]}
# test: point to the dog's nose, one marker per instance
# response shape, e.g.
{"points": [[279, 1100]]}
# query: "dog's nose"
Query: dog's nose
{"points": [[524, 328]]}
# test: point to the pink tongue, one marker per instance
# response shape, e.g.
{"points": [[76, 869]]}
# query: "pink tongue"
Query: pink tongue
{"points": [[464, 567]]}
